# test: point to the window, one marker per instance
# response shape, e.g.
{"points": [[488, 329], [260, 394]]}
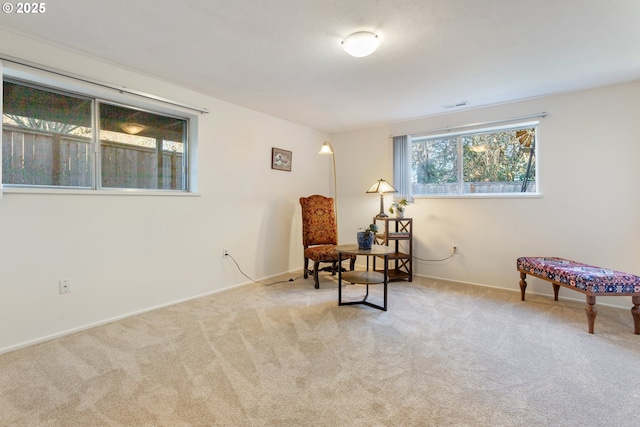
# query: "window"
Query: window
{"points": [[51, 139], [46, 138], [499, 160], [141, 149]]}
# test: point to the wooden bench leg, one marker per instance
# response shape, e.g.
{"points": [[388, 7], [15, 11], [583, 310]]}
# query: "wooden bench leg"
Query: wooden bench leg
{"points": [[635, 312], [592, 311], [556, 289], [523, 285]]}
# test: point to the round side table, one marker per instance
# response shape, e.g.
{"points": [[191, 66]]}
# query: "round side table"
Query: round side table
{"points": [[364, 277]]}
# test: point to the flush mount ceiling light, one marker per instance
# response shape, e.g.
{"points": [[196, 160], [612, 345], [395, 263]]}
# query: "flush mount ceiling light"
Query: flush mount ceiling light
{"points": [[362, 43], [132, 128], [478, 148]]}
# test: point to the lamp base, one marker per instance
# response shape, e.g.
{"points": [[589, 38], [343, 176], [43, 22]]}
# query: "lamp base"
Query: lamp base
{"points": [[382, 214]]}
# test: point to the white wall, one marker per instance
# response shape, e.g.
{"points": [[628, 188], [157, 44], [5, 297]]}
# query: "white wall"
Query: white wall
{"points": [[589, 211], [126, 254]]}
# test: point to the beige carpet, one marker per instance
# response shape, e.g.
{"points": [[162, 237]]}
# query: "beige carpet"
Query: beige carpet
{"points": [[444, 354]]}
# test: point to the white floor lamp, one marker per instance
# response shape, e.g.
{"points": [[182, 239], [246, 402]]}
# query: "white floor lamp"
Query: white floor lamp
{"points": [[327, 148]]}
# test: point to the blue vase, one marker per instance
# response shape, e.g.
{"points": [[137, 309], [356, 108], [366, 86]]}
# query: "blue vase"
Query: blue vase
{"points": [[365, 240]]}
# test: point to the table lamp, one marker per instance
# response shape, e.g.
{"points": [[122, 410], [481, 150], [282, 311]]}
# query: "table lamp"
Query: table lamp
{"points": [[381, 186]]}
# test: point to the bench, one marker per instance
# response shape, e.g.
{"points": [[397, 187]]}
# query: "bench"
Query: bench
{"points": [[588, 279]]}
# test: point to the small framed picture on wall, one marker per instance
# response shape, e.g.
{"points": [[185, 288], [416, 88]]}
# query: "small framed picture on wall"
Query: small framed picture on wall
{"points": [[280, 159]]}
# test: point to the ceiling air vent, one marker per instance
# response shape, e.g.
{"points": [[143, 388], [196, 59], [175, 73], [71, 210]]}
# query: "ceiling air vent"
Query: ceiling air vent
{"points": [[456, 105]]}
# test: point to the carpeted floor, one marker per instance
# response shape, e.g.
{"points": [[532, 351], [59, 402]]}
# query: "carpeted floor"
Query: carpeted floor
{"points": [[445, 354]]}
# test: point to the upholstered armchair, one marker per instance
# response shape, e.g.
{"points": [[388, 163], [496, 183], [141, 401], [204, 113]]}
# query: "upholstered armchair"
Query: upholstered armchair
{"points": [[320, 235]]}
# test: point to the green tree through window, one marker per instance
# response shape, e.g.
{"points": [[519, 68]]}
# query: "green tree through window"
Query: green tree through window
{"points": [[487, 161]]}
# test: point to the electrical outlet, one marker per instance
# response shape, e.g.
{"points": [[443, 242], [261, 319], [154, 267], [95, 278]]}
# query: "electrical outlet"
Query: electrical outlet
{"points": [[225, 252], [455, 249], [65, 286]]}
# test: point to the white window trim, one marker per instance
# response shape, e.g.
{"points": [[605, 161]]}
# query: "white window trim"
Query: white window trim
{"points": [[471, 129], [1, 104], [78, 87]]}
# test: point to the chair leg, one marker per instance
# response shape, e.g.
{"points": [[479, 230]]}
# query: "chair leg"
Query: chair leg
{"points": [[306, 267], [333, 268], [315, 274], [352, 264]]}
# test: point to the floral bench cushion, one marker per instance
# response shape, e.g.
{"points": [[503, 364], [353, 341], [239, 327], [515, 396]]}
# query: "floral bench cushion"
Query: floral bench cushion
{"points": [[584, 277]]}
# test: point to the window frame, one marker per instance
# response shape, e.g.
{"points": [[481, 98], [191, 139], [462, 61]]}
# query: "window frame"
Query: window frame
{"points": [[72, 87], [98, 166], [460, 161]]}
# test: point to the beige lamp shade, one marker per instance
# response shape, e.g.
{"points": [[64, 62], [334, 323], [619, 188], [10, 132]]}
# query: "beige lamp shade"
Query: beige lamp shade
{"points": [[381, 186], [326, 148]]}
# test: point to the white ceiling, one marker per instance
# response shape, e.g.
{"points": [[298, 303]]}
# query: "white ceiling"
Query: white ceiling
{"points": [[283, 57]]}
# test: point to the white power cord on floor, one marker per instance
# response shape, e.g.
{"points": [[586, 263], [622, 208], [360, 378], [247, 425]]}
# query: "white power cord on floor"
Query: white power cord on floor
{"points": [[257, 281]]}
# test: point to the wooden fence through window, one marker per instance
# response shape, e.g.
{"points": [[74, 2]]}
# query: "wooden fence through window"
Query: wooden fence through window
{"points": [[473, 188], [42, 158]]}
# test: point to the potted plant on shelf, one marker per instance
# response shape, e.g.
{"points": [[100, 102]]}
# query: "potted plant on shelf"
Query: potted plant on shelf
{"points": [[398, 208], [366, 236]]}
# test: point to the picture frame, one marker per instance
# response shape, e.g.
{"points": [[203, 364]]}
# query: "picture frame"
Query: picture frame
{"points": [[281, 159]]}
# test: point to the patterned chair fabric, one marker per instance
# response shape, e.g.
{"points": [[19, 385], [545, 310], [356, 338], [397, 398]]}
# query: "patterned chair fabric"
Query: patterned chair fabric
{"points": [[320, 235]]}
